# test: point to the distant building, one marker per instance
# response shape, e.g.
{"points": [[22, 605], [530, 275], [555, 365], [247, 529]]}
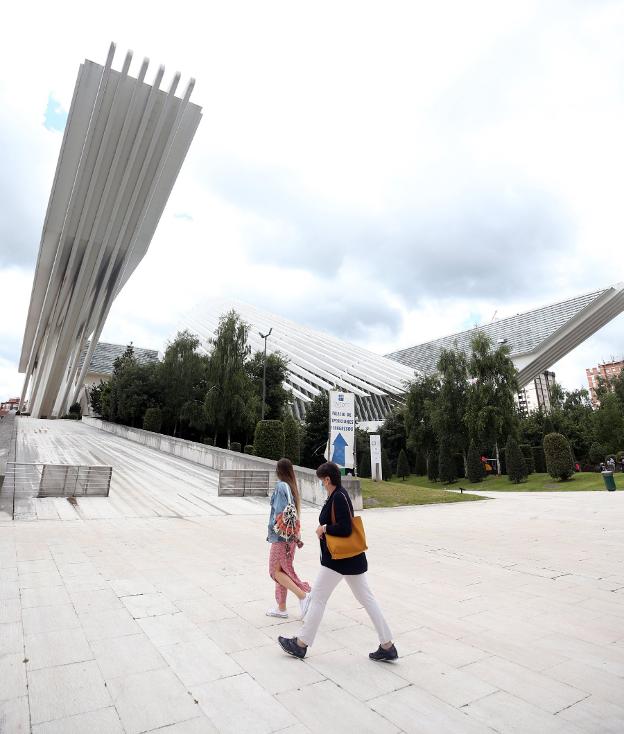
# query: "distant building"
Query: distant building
{"points": [[536, 395], [8, 405], [607, 371]]}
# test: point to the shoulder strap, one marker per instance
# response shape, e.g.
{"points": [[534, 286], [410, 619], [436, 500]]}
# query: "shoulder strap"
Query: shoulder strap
{"points": [[333, 512]]}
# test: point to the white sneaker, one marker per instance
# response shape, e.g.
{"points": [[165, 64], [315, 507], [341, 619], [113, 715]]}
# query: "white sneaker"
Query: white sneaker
{"points": [[305, 603], [276, 612]]}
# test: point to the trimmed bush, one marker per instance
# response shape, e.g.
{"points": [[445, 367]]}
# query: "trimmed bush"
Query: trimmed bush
{"points": [[539, 461], [269, 439], [446, 463], [433, 472], [516, 465], [249, 449], [386, 466], [235, 446], [559, 461], [152, 420], [528, 457], [475, 467], [403, 467], [75, 409], [292, 439], [364, 467], [209, 440]]}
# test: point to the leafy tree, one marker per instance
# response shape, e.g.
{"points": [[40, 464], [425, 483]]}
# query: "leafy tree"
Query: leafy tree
{"points": [[421, 463], [364, 464], [449, 405], [559, 461], [277, 397], [249, 449], [446, 462], [183, 383], [491, 413], [229, 399], [292, 439], [76, 410], [269, 440], [152, 420], [419, 402], [132, 389], [96, 392], [403, 467], [315, 432], [516, 464], [235, 446], [393, 436], [527, 453], [475, 467], [597, 453], [539, 460], [609, 423]]}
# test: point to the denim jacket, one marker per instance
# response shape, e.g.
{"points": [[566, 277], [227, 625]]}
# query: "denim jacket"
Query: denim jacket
{"points": [[279, 500]]}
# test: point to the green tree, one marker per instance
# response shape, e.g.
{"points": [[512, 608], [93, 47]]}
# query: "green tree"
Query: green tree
{"points": [[315, 432], [277, 397], [609, 423], [516, 464], [132, 389], [386, 466], [292, 439], [433, 465], [152, 420], [475, 467], [403, 467], [527, 453], [393, 435], [96, 392], [449, 404], [491, 413], [446, 462], [269, 440], [419, 403], [559, 461], [229, 400]]}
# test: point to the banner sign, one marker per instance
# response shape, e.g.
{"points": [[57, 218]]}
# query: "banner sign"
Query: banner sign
{"points": [[341, 428], [375, 456]]}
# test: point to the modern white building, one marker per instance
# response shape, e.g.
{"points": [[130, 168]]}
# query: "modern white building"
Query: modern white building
{"points": [[316, 361], [124, 144]]}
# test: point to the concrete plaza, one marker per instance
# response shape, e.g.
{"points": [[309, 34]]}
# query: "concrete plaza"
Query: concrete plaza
{"points": [[145, 612]]}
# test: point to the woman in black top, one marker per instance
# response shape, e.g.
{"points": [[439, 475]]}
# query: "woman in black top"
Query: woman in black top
{"points": [[335, 519]]}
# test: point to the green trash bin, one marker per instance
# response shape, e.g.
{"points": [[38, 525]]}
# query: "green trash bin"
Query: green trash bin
{"points": [[609, 480]]}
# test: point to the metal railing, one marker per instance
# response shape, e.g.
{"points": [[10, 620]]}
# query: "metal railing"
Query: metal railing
{"points": [[27, 481], [243, 483]]}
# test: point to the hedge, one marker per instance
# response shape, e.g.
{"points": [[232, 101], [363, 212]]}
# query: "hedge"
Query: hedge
{"points": [[559, 461], [269, 439], [292, 439], [249, 449], [235, 446]]}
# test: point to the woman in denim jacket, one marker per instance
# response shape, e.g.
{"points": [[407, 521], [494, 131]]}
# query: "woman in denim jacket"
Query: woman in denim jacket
{"points": [[282, 553]]}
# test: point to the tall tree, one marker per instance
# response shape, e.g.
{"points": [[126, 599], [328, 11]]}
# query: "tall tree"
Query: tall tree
{"points": [[419, 403], [393, 436], [449, 405], [277, 397], [315, 431], [609, 423], [491, 414], [229, 400]]}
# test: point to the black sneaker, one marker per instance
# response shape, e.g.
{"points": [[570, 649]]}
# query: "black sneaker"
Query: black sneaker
{"points": [[292, 647], [384, 655]]}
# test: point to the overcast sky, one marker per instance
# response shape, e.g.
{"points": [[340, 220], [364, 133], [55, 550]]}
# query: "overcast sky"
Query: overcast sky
{"points": [[387, 172]]}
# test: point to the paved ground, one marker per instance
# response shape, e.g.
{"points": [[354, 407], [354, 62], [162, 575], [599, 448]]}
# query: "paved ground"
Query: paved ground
{"points": [[508, 614]]}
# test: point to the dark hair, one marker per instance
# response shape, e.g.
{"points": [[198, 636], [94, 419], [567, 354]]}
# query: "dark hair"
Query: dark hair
{"points": [[286, 473], [331, 470]]}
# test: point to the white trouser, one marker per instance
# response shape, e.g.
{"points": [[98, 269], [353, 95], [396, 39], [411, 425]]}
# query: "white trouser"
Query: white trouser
{"points": [[325, 583]]}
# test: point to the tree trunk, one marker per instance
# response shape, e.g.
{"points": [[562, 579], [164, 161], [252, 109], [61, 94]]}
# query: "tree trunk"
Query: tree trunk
{"points": [[229, 437], [498, 466], [465, 462]]}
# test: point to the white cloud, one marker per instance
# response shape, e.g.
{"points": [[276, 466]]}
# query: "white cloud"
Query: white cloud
{"points": [[411, 165]]}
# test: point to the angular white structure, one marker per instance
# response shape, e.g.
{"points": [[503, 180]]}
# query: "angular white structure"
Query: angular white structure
{"points": [[123, 146], [537, 338], [316, 361]]}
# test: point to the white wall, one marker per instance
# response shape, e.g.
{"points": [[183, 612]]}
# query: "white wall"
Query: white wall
{"points": [[217, 459]]}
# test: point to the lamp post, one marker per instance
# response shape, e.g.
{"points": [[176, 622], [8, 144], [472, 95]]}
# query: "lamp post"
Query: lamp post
{"points": [[265, 337]]}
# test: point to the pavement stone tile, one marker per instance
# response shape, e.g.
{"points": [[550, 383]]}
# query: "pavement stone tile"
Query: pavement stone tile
{"points": [[585, 677], [593, 714], [9, 590], [36, 580], [49, 619], [221, 702], [199, 661], [10, 610], [92, 601], [14, 716], [235, 634], [11, 638], [12, 676], [132, 586], [309, 702], [108, 624], [150, 700], [169, 629], [416, 711], [204, 610], [59, 647], [66, 690], [104, 721], [148, 605], [45, 596], [201, 725], [274, 670], [44, 566], [121, 656]]}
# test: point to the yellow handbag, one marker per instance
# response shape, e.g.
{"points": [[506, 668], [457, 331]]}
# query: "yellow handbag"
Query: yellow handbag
{"points": [[350, 546]]}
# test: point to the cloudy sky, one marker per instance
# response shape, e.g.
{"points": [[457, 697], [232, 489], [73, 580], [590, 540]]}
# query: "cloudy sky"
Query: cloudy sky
{"points": [[385, 171]]}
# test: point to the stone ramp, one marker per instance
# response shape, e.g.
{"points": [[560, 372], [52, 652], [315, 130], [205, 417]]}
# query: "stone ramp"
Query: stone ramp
{"points": [[8, 429]]}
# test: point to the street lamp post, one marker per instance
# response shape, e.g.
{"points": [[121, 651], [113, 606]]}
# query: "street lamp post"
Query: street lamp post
{"points": [[265, 337]]}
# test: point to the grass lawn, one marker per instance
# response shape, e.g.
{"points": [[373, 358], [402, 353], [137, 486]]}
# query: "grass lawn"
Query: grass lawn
{"points": [[582, 481], [397, 493]]}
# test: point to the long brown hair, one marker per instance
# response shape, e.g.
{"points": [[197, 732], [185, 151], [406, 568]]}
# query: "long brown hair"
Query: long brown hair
{"points": [[286, 473]]}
